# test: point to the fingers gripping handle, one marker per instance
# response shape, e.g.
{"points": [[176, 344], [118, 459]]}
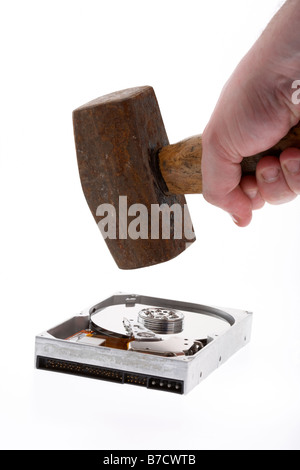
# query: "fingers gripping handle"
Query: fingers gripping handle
{"points": [[180, 164]]}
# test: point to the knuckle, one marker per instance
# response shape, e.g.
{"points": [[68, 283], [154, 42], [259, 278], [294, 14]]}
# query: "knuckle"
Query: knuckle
{"points": [[277, 200]]}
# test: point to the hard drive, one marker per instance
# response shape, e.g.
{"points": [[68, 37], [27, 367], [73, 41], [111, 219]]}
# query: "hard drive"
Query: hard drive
{"points": [[154, 343]]}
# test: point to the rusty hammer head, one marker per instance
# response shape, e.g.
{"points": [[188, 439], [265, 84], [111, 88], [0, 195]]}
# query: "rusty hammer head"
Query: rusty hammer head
{"points": [[118, 137]]}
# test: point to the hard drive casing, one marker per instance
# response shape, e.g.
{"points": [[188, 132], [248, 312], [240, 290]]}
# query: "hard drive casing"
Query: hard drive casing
{"points": [[174, 374]]}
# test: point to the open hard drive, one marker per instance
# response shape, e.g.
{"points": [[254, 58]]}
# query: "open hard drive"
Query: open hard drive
{"points": [[155, 343]]}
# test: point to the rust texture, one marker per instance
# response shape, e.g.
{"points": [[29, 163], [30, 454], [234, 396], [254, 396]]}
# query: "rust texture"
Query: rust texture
{"points": [[117, 139]]}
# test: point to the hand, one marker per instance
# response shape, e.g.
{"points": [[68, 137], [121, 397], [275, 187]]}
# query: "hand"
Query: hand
{"points": [[254, 112]]}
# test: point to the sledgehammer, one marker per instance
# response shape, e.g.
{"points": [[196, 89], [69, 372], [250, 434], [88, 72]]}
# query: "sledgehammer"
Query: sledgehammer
{"points": [[132, 177]]}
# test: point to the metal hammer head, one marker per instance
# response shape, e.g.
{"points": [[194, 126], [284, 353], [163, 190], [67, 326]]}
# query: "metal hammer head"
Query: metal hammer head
{"points": [[118, 137]]}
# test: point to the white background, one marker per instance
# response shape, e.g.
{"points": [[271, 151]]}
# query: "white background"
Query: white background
{"points": [[56, 56]]}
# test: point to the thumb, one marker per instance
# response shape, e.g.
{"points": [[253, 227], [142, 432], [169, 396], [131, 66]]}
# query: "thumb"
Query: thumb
{"points": [[221, 184]]}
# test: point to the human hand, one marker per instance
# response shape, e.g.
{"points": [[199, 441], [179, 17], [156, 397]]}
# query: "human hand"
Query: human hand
{"points": [[254, 112]]}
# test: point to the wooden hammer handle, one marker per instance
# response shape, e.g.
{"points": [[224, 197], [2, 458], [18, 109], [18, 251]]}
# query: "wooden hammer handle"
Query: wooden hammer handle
{"points": [[180, 164]]}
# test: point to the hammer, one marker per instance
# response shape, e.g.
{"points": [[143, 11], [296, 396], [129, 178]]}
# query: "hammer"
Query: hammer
{"points": [[129, 173]]}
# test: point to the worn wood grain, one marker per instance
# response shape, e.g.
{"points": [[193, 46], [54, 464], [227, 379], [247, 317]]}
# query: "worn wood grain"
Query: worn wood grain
{"points": [[180, 164]]}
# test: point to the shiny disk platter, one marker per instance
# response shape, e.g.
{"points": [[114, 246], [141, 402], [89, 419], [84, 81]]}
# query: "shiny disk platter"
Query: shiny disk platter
{"points": [[155, 343]]}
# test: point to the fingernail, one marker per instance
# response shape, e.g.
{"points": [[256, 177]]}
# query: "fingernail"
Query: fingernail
{"points": [[252, 193], [270, 175], [235, 219], [293, 166]]}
